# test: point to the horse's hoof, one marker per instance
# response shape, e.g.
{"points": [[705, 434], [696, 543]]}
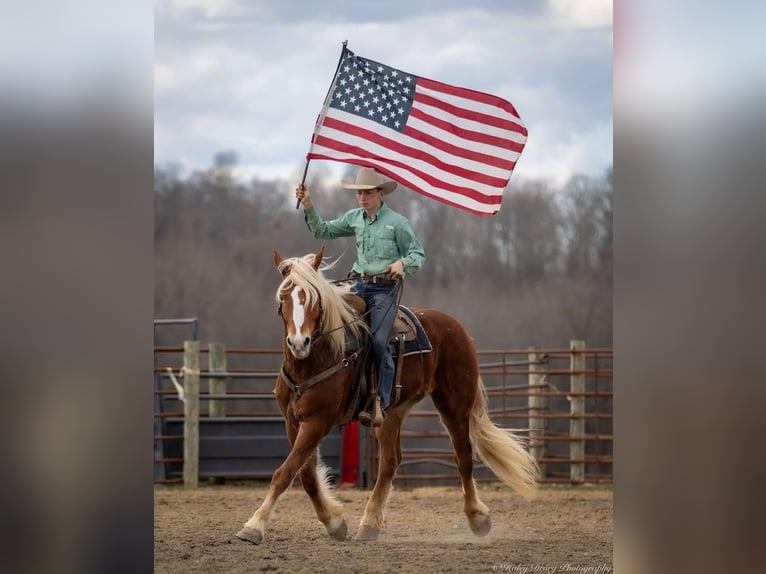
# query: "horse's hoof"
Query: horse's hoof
{"points": [[250, 535], [367, 533], [341, 532], [481, 525]]}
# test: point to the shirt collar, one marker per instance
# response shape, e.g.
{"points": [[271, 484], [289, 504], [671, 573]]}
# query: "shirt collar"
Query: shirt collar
{"points": [[383, 207]]}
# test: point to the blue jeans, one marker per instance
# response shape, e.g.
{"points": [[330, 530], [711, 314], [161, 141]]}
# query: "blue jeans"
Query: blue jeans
{"points": [[381, 300]]}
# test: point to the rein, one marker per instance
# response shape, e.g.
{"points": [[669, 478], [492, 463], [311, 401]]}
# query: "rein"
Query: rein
{"points": [[395, 294], [299, 388]]}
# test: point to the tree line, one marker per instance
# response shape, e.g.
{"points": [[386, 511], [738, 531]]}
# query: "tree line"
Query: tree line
{"points": [[537, 273]]}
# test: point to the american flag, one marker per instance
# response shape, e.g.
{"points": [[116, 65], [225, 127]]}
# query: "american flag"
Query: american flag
{"points": [[452, 144]]}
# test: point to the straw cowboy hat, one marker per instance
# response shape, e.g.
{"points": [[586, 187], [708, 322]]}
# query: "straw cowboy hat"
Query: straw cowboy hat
{"points": [[370, 178]]}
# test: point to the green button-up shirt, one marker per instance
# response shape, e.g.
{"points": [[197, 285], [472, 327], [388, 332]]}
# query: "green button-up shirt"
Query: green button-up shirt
{"points": [[379, 241]]}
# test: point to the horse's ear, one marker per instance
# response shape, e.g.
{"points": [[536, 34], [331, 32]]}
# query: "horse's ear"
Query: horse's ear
{"points": [[278, 261], [318, 258]]}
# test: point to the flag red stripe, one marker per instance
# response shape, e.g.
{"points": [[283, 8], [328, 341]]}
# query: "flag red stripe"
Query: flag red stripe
{"points": [[459, 151], [469, 95], [469, 135], [470, 114], [339, 146], [415, 153]]}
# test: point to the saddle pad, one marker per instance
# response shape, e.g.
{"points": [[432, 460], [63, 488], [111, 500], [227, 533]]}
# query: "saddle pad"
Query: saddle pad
{"points": [[420, 344]]}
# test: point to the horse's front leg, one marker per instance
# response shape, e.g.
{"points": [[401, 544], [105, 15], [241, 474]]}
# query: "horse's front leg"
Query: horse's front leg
{"points": [[309, 434], [329, 510], [315, 482], [388, 437]]}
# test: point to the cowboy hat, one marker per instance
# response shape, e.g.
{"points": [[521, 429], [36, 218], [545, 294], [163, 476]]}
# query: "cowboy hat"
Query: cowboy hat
{"points": [[370, 178]]}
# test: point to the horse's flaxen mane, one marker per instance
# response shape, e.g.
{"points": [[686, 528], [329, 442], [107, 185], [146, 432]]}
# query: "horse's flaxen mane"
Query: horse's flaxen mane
{"points": [[335, 311]]}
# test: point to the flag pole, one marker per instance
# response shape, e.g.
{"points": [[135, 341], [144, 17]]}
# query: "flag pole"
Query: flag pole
{"points": [[321, 118], [303, 180]]}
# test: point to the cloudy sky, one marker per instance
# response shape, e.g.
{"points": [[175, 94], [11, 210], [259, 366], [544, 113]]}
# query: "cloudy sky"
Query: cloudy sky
{"points": [[251, 76]]}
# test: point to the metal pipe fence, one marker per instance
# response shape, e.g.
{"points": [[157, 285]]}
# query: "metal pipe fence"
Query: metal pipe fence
{"points": [[559, 401]]}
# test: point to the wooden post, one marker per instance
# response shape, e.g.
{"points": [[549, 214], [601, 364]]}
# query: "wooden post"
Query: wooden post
{"points": [[537, 405], [191, 414], [216, 358], [577, 410]]}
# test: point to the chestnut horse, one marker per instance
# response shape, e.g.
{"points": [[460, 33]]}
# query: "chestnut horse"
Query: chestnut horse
{"points": [[320, 379]]}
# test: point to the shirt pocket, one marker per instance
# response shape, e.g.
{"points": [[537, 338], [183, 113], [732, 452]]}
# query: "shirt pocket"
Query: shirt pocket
{"points": [[385, 243]]}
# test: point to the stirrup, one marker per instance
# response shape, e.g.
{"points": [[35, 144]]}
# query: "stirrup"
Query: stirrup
{"points": [[379, 416], [374, 418]]}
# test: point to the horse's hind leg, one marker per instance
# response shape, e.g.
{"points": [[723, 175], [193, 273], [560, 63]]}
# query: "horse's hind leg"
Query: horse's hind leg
{"points": [[329, 511], [390, 457], [305, 443], [456, 416]]}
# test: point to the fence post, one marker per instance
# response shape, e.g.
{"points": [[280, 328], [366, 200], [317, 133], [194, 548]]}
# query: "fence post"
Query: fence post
{"points": [[538, 404], [191, 414], [216, 358], [577, 411]]}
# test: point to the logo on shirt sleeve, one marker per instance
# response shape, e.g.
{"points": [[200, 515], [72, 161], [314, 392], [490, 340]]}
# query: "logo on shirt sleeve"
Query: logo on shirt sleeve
{"points": [[389, 226]]}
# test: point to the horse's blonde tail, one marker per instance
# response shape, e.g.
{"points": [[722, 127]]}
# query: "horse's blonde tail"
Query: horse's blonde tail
{"points": [[501, 450]]}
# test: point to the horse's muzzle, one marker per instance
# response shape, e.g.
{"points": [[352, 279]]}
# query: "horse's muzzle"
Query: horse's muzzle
{"points": [[299, 345]]}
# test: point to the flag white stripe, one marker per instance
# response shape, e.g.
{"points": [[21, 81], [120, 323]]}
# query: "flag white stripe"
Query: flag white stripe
{"points": [[469, 104]]}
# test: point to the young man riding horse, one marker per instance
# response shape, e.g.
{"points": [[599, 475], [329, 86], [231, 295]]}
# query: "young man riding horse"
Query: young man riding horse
{"points": [[387, 250], [316, 385]]}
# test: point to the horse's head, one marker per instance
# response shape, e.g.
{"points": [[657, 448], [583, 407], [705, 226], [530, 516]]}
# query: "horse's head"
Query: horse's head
{"points": [[312, 307], [299, 303]]}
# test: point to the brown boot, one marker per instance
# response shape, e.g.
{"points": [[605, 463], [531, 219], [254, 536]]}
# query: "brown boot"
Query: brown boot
{"points": [[365, 417], [379, 416]]}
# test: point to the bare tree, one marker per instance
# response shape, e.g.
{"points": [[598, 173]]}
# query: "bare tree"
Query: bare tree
{"points": [[588, 233], [531, 232], [536, 273]]}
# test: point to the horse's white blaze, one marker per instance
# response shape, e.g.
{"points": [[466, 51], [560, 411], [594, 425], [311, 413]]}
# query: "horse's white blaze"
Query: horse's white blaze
{"points": [[299, 314], [297, 341]]}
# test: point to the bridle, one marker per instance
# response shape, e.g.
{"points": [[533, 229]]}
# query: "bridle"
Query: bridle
{"points": [[298, 389]]}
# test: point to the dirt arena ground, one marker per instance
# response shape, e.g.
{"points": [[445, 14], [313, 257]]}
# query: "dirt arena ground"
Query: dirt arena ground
{"points": [[564, 530]]}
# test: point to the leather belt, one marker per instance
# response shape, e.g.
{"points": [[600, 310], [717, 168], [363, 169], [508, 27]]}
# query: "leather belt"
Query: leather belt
{"points": [[375, 279]]}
